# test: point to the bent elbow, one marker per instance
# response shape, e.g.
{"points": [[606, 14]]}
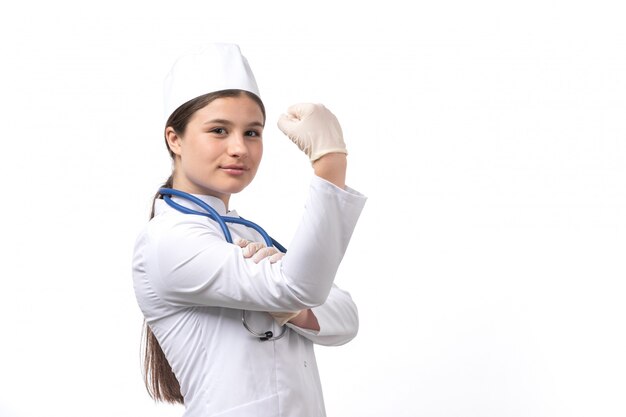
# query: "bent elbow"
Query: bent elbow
{"points": [[308, 295], [311, 299]]}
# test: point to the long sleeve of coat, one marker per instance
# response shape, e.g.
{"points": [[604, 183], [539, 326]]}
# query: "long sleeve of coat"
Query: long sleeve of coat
{"points": [[188, 262], [338, 319]]}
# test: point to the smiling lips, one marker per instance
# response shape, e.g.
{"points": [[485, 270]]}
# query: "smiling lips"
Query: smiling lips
{"points": [[234, 169]]}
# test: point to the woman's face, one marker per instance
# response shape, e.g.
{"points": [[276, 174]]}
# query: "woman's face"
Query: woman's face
{"points": [[221, 148]]}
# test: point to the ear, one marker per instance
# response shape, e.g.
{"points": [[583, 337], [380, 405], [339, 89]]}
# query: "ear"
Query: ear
{"points": [[173, 140]]}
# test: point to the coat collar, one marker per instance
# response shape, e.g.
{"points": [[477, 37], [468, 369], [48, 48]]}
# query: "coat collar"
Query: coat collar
{"points": [[161, 206]]}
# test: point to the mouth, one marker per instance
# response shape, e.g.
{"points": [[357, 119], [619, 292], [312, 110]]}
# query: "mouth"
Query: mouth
{"points": [[234, 169]]}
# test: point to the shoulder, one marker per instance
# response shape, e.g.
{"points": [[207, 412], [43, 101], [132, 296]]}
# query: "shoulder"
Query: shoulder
{"points": [[172, 227]]}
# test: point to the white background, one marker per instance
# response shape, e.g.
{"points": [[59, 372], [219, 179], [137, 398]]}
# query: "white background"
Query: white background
{"points": [[489, 136]]}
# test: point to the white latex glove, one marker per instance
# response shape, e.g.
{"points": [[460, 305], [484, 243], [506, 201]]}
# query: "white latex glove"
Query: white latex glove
{"points": [[314, 129], [258, 251], [283, 317]]}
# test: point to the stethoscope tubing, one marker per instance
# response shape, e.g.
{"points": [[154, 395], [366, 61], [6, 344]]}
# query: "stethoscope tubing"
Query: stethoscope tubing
{"points": [[214, 215], [211, 213]]}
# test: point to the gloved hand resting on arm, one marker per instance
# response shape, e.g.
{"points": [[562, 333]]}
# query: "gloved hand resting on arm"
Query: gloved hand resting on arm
{"points": [[258, 251], [316, 131]]}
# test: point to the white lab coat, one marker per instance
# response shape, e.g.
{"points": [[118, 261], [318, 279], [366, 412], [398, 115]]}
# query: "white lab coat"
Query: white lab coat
{"points": [[191, 286]]}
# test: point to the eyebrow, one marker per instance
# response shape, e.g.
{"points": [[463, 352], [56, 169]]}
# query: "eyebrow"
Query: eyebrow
{"points": [[229, 123]]}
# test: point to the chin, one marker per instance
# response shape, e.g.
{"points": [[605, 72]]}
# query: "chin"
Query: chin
{"points": [[234, 189]]}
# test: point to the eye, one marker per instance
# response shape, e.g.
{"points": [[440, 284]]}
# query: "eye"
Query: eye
{"points": [[218, 131], [253, 133]]}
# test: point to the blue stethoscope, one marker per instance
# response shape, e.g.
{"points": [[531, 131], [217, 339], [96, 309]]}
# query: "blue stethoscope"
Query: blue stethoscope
{"points": [[212, 214]]}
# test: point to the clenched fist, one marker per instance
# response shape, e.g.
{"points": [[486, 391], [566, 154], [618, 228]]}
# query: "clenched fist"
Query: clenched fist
{"points": [[314, 129]]}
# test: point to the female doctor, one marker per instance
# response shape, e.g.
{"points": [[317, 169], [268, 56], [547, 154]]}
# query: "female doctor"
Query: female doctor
{"points": [[230, 327]]}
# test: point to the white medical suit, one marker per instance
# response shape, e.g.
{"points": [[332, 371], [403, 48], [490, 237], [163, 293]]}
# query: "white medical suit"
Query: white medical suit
{"points": [[192, 286]]}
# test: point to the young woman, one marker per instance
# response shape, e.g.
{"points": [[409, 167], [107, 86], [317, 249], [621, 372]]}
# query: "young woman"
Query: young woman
{"points": [[230, 327]]}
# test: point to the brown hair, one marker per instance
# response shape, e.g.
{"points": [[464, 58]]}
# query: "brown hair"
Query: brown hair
{"points": [[158, 376]]}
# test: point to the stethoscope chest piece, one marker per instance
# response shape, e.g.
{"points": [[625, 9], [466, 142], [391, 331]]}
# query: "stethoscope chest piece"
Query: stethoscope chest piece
{"points": [[265, 336]]}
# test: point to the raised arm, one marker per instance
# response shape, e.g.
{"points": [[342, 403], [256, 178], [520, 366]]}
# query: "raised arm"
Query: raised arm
{"points": [[189, 263], [317, 132]]}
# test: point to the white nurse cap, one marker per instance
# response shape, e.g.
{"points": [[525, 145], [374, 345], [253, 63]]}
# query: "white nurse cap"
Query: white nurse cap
{"points": [[216, 67]]}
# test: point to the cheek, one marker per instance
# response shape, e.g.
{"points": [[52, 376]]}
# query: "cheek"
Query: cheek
{"points": [[206, 150], [259, 151], [256, 151], [199, 157]]}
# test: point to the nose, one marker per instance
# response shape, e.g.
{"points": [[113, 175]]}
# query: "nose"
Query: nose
{"points": [[237, 146]]}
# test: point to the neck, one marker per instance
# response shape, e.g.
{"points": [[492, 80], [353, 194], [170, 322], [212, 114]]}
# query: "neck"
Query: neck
{"points": [[191, 188]]}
